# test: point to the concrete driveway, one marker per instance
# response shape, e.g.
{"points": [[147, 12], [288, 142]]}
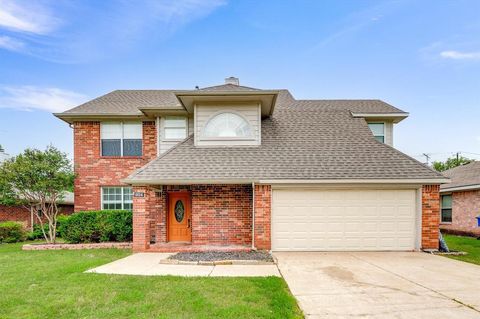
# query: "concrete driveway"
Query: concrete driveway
{"points": [[382, 285]]}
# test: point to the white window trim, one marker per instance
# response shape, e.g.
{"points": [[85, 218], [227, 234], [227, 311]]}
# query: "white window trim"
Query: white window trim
{"points": [[121, 140], [123, 198], [441, 208], [384, 130], [235, 138], [164, 126]]}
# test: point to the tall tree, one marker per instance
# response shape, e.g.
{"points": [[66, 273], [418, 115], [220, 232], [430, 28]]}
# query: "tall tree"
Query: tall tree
{"points": [[451, 163], [37, 178]]}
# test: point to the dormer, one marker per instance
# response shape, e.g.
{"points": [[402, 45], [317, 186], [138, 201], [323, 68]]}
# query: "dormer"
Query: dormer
{"points": [[381, 124], [228, 115]]}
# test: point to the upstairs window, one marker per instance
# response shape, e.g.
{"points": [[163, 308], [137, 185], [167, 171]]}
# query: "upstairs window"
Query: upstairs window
{"points": [[117, 198], [121, 139], [446, 215], [175, 127], [378, 130], [227, 125]]}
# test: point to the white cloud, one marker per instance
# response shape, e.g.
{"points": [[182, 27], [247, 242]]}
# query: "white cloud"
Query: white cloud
{"points": [[11, 43], [27, 98], [55, 31], [27, 16], [457, 55]]}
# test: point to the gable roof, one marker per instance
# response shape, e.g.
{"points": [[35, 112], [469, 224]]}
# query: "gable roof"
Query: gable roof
{"points": [[463, 177], [299, 142]]}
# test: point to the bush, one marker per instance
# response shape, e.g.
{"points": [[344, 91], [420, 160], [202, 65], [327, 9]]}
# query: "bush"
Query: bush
{"points": [[97, 226], [37, 229], [11, 232]]}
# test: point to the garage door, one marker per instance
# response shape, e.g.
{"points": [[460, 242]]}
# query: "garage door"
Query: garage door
{"points": [[343, 220]]}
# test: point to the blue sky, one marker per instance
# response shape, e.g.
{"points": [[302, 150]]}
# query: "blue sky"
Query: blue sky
{"points": [[421, 56]]}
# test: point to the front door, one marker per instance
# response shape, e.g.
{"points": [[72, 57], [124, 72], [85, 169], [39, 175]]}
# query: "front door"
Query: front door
{"points": [[179, 217]]}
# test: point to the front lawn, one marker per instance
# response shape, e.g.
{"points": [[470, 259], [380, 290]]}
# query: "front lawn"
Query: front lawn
{"points": [[51, 284], [467, 244]]}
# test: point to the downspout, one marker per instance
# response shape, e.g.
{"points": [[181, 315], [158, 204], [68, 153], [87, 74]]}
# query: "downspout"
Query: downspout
{"points": [[253, 216]]}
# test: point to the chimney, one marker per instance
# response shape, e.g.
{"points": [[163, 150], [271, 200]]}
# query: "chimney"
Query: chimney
{"points": [[232, 80]]}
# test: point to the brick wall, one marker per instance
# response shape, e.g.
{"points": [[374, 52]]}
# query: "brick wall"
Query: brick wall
{"points": [[221, 215], [263, 208], [22, 215], [94, 171], [430, 216], [465, 209]]}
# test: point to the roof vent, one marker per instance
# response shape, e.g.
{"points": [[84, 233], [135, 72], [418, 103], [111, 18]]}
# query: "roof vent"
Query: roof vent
{"points": [[232, 80]]}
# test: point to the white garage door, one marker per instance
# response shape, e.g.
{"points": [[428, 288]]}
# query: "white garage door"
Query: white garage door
{"points": [[343, 220]]}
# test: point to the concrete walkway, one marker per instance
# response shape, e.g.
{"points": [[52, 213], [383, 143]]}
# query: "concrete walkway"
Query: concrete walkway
{"points": [[382, 285], [148, 264]]}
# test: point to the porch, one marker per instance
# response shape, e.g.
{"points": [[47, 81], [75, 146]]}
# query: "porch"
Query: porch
{"points": [[209, 217]]}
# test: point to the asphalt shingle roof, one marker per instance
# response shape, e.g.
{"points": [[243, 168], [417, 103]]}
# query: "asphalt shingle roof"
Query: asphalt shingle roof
{"points": [[299, 141], [465, 175]]}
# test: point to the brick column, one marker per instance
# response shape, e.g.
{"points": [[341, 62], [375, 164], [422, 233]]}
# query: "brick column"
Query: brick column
{"points": [[430, 216], [263, 207], [141, 219]]}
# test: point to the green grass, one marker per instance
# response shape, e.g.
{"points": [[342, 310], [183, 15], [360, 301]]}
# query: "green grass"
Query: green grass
{"points": [[51, 284], [467, 244]]}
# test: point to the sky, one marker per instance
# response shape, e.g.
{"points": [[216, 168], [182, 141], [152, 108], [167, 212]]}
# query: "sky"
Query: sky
{"points": [[420, 56]]}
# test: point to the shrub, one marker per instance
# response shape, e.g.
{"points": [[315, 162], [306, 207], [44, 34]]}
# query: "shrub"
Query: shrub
{"points": [[97, 226], [11, 232], [37, 229]]}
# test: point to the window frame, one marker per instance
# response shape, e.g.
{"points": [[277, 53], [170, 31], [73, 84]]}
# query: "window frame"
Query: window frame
{"points": [[102, 201], [122, 138], [251, 137], [165, 127], [442, 208], [384, 131]]}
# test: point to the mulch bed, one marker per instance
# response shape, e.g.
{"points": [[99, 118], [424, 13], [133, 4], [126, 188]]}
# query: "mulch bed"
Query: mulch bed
{"points": [[218, 256]]}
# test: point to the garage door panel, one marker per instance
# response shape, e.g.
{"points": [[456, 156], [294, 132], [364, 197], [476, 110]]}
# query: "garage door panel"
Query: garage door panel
{"points": [[343, 220]]}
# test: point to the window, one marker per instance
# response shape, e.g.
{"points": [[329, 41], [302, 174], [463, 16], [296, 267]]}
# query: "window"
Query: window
{"points": [[121, 139], [446, 209], [378, 130], [227, 125], [117, 198], [175, 127]]}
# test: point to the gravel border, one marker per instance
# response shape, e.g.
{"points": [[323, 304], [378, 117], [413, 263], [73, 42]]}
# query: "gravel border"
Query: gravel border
{"points": [[218, 257]]}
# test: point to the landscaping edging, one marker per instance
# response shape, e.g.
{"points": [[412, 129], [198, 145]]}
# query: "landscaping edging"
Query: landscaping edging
{"points": [[215, 262], [76, 246]]}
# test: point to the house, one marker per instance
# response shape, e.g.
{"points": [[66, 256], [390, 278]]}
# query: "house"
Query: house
{"points": [[460, 200], [25, 214], [232, 166]]}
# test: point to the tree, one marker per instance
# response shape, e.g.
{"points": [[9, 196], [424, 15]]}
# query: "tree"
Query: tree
{"points": [[1, 148], [451, 163], [37, 178]]}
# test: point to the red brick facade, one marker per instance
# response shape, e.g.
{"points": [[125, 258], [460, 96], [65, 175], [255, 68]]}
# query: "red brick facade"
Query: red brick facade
{"points": [[430, 216], [22, 215], [465, 209], [94, 171], [221, 215], [263, 208]]}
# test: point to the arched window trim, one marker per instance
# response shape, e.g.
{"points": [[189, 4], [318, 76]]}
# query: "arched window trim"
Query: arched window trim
{"points": [[219, 138]]}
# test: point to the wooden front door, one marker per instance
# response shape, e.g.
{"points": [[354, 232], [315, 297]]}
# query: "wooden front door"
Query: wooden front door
{"points": [[179, 217]]}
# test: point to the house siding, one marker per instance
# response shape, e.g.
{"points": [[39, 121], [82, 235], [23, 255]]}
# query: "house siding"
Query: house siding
{"points": [[465, 209], [94, 171], [165, 145], [251, 112]]}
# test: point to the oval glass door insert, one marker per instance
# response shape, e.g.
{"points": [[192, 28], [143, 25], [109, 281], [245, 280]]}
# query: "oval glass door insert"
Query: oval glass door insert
{"points": [[179, 211]]}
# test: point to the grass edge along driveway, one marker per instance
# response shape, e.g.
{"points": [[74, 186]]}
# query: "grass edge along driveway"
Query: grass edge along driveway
{"points": [[51, 284], [469, 245]]}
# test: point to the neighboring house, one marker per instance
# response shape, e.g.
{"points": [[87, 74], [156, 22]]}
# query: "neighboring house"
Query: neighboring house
{"points": [[460, 200], [25, 215], [235, 166]]}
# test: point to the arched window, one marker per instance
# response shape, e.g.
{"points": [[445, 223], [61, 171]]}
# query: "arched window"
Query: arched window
{"points": [[227, 125]]}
